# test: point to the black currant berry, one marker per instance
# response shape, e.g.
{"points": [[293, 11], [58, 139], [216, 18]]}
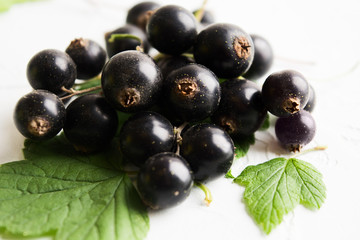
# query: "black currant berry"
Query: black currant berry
{"points": [[39, 115], [208, 149], [310, 105], [145, 134], [192, 92], [172, 29], [285, 93], [122, 39], [91, 123], [164, 181], [263, 58], [295, 131], [88, 56], [131, 81], [168, 63], [241, 110], [139, 14], [225, 49], [50, 70]]}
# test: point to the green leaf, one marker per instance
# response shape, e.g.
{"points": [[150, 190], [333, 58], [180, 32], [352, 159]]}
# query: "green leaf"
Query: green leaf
{"points": [[59, 149], [276, 187], [6, 4], [221, 80], [229, 175], [94, 82], [266, 123], [69, 195], [242, 145], [122, 117]]}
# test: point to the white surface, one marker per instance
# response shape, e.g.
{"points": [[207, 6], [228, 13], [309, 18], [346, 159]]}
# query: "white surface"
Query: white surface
{"points": [[318, 38]]}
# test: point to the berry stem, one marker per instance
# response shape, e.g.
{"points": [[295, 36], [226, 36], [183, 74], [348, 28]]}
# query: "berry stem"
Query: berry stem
{"points": [[131, 174], [73, 92], [115, 36], [139, 48], [158, 56], [317, 148], [178, 131], [90, 81], [208, 197], [200, 13], [189, 55]]}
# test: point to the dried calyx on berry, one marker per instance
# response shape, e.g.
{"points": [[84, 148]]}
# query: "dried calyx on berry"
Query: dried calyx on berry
{"points": [[88, 56], [285, 93]]}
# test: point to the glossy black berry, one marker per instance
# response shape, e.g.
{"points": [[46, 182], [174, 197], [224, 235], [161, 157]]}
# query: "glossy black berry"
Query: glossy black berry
{"points": [[91, 123], [88, 56], [168, 63], [131, 81], [139, 14], [295, 131], [225, 49], [192, 92], [263, 58], [310, 105], [241, 110], [145, 134], [208, 149], [285, 92], [116, 43], [164, 181], [172, 29], [50, 70], [39, 115]]}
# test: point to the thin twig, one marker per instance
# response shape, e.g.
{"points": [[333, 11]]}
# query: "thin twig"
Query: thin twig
{"points": [[73, 92], [208, 197], [317, 148], [200, 13], [177, 131]]}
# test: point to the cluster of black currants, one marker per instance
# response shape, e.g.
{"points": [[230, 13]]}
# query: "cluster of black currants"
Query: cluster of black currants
{"points": [[288, 95], [186, 106]]}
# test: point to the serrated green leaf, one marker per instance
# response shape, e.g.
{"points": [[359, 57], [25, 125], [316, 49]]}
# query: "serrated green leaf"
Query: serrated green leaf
{"points": [[6, 4], [59, 148], [69, 195], [229, 175], [242, 145], [276, 187]]}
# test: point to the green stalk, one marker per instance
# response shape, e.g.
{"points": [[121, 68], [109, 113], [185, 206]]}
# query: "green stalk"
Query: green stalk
{"points": [[208, 197]]}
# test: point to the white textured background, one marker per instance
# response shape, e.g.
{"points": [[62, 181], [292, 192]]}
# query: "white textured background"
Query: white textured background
{"points": [[321, 39]]}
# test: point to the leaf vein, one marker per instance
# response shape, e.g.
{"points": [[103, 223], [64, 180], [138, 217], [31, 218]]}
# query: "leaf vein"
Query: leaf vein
{"points": [[130, 217], [266, 180], [304, 184], [276, 191], [105, 207], [311, 177], [59, 179]]}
